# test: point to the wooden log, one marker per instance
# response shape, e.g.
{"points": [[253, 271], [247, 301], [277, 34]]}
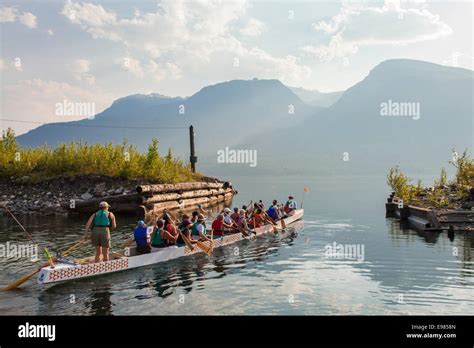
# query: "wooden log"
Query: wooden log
{"points": [[161, 198], [173, 205], [157, 198], [184, 186], [204, 193]]}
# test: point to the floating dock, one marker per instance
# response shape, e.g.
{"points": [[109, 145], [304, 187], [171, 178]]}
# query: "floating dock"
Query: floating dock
{"points": [[430, 219]]}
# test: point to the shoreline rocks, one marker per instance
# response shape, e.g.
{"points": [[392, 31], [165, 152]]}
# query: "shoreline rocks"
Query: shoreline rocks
{"points": [[47, 197], [51, 197]]}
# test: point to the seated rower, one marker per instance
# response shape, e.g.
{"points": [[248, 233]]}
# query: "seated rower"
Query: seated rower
{"points": [[274, 212], [169, 225], [242, 223], [247, 210], [160, 237], [198, 230], [185, 227], [258, 218], [235, 216], [228, 219], [194, 216], [219, 227], [141, 237], [290, 206]]}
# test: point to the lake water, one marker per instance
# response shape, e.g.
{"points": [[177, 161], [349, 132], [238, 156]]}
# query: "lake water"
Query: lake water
{"points": [[396, 270]]}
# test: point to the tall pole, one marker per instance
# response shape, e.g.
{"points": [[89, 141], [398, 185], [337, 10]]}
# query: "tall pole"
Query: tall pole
{"points": [[192, 158]]}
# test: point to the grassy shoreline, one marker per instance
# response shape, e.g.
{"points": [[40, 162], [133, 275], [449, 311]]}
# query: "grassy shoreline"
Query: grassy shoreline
{"points": [[30, 165]]}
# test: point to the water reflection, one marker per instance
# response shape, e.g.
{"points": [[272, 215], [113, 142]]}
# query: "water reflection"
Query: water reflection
{"points": [[183, 273], [461, 242], [99, 302]]}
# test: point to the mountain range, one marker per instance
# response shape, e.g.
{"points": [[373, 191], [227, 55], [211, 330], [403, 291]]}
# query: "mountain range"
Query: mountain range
{"points": [[405, 112]]}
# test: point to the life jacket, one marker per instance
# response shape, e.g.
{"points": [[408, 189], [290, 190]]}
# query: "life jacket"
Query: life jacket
{"points": [[156, 240], [101, 219], [194, 230], [273, 213], [140, 235], [217, 228]]}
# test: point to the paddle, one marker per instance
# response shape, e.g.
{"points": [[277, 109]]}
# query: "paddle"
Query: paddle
{"points": [[211, 248], [28, 276], [200, 244], [186, 240], [128, 243], [241, 229], [203, 247]]}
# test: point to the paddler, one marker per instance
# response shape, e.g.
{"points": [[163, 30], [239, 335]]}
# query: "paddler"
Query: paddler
{"points": [[242, 223], [290, 205], [161, 238], [100, 223], [258, 218], [184, 226], [142, 238], [274, 211], [235, 216], [219, 227], [198, 231]]}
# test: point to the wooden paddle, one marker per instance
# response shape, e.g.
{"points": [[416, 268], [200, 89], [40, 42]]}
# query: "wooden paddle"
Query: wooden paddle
{"points": [[183, 237], [28, 276], [186, 240], [241, 229], [200, 244], [203, 247], [127, 244], [211, 248]]}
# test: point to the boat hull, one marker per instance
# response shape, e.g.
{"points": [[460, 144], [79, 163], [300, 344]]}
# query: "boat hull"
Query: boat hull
{"points": [[66, 272]]}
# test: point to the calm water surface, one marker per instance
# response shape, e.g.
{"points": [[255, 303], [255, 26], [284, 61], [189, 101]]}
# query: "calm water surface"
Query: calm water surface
{"points": [[401, 271]]}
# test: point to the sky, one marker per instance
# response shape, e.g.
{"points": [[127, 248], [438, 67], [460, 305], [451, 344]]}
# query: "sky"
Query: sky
{"points": [[59, 52]]}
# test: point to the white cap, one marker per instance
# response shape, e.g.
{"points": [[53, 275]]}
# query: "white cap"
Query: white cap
{"points": [[227, 210], [104, 205]]}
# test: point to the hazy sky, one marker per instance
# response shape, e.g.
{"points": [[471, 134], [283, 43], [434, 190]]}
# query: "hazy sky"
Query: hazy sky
{"points": [[98, 51]]}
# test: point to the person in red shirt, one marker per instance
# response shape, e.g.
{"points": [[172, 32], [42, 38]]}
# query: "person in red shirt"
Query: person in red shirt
{"points": [[258, 219], [219, 227], [235, 216], [169, 225]]}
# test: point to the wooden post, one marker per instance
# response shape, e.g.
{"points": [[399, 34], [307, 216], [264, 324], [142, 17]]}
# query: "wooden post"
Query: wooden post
{"points": [[192, 158]]}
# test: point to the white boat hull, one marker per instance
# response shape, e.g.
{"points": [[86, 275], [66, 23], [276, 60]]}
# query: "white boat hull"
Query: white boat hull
{"points": [[66, 272]]}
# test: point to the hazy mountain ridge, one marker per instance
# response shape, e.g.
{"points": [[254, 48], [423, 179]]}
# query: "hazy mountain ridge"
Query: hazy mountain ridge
{"points": [[373, 143], [255, 114], [223, 114], [317, 98]]}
